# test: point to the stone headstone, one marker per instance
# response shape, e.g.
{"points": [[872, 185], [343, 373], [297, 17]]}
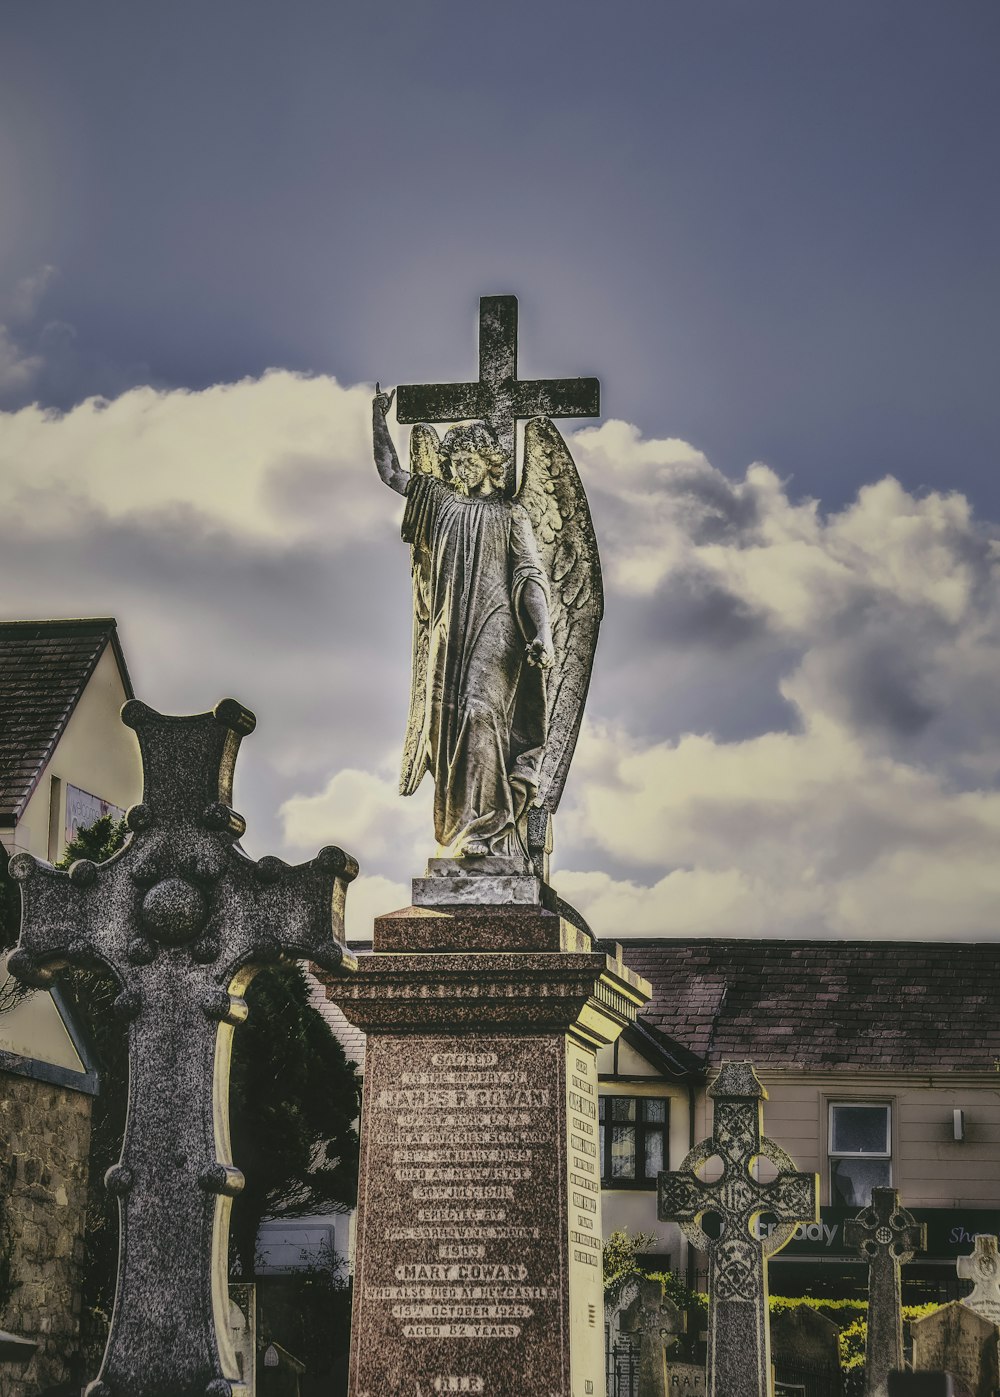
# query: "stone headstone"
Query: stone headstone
{"points": [[805, 1351], [956, 1340], [684, 1379], [656, 1321], [183, 918], [983, 1269], [739, 1359], [478, 1242], [887, 1235]]}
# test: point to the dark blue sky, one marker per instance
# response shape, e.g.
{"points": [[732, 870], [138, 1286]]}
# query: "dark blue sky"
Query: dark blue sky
{"points": [[771, 228]]}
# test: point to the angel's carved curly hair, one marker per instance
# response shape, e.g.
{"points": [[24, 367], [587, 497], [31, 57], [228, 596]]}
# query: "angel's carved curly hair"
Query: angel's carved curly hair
{"points": [[476, 437]]}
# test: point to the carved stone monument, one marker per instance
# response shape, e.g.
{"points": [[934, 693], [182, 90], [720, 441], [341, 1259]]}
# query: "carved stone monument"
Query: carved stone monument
{"points": [[739, 1358], [478, 1251], [958, 1341], [183, 919], [478, 1244], [983, 1269], [888, 1236], [805, 1352], [656, 1320]]}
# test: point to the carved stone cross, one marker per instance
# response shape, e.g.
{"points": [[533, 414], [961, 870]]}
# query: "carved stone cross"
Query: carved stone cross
{"points": [[888, 1236], [656, 1320], [983, 1269], [183, 918], [499, 398], [739, 1361]]}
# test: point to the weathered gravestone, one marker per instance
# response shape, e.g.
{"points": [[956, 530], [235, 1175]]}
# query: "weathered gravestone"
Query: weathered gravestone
{"points": [[243, 1332], [685, 1380], [887, 1235], [983, 1269], [183, 919], [478, 1252], [656, 1321], [739, 1358], [956, 1340], [805, 1351]]}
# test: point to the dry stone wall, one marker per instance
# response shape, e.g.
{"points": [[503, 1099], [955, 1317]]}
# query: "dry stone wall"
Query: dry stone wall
{"points": [[44, 1141]]}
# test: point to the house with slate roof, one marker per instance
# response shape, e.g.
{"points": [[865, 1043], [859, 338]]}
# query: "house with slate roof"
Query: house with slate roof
{"points": [[65, 759], [882, 1064]]}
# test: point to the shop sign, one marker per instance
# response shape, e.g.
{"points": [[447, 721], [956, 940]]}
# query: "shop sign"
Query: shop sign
{"points": [[949, 1231], [82, 809]]}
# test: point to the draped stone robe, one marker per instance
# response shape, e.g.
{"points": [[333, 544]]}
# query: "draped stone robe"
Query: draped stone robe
{"points": [[477, 708]]}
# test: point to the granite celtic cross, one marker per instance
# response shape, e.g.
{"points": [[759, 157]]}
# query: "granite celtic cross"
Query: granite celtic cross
{"points": [[888, 1236], [738, 1361], [499, 398], [183, 919]]}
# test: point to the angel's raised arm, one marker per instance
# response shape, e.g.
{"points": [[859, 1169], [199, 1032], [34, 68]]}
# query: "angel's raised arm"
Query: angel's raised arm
{"points": [[386, 460]]}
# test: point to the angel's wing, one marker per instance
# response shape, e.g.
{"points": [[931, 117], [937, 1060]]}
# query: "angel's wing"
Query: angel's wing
{"points": [[425, 451], [425, 459], [552, 493]]}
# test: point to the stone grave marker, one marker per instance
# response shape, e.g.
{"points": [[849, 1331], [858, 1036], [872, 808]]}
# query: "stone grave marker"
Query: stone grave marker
{"points": [[183, 919], [957, 1340], [685, 1380], [983, 1269], [656, 1320], [478, 1242], [739, 1359], [805, 1351], [243, 1332], [888, 1236]]}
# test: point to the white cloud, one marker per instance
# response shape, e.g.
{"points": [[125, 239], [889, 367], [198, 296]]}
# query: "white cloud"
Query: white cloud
{"points": [[794, 726]]}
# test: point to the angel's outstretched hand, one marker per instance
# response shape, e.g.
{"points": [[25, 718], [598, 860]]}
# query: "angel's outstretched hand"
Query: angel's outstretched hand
{"points": [[383, 401]]}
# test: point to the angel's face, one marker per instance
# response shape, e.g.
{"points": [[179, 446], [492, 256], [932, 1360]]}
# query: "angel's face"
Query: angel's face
{"points": [[472, 470]]}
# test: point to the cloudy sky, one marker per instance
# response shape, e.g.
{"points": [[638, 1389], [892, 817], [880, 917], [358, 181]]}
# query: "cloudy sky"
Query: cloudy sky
{"points": [[769, 229]]}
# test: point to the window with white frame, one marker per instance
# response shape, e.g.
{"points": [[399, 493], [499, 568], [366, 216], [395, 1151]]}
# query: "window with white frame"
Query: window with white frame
{"points": [[860, 1150]]}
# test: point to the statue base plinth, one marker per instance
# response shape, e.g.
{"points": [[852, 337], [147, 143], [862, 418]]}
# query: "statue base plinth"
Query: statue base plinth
{"points": [[480, 882], [478, 1252]]}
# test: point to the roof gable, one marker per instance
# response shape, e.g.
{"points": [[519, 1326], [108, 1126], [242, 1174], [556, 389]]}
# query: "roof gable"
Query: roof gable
{"points": [[44, 668]]}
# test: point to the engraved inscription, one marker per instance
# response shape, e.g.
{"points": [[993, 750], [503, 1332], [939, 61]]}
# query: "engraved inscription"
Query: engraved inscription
{"points": [[463, 1247]]}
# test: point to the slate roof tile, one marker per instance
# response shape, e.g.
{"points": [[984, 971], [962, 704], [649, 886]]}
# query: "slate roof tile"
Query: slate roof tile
{"points": [[917, 1006]]}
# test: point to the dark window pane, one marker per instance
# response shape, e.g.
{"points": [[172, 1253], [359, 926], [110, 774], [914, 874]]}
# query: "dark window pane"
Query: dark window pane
{"points": [[655, 1110], [852, 1180], [602, 1107], [860, 1130], [654, 1153], [623, 1152], [623, 1108]]}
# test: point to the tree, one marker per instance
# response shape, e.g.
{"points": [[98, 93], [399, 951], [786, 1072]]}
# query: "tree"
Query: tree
{"points": [[293, 1101]]}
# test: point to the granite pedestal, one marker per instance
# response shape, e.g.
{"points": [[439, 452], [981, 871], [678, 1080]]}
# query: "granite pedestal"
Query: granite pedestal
{"points": [[478, 1251]]}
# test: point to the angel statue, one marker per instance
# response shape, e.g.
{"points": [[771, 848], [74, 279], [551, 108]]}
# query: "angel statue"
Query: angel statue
{"points": [[507, 600]]}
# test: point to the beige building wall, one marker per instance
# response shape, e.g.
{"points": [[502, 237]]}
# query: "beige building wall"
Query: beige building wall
{"points": [[929, 1167], [96, 752]]}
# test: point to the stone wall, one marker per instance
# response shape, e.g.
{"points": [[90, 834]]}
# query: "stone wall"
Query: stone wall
{"points": [[44, 1140]]}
